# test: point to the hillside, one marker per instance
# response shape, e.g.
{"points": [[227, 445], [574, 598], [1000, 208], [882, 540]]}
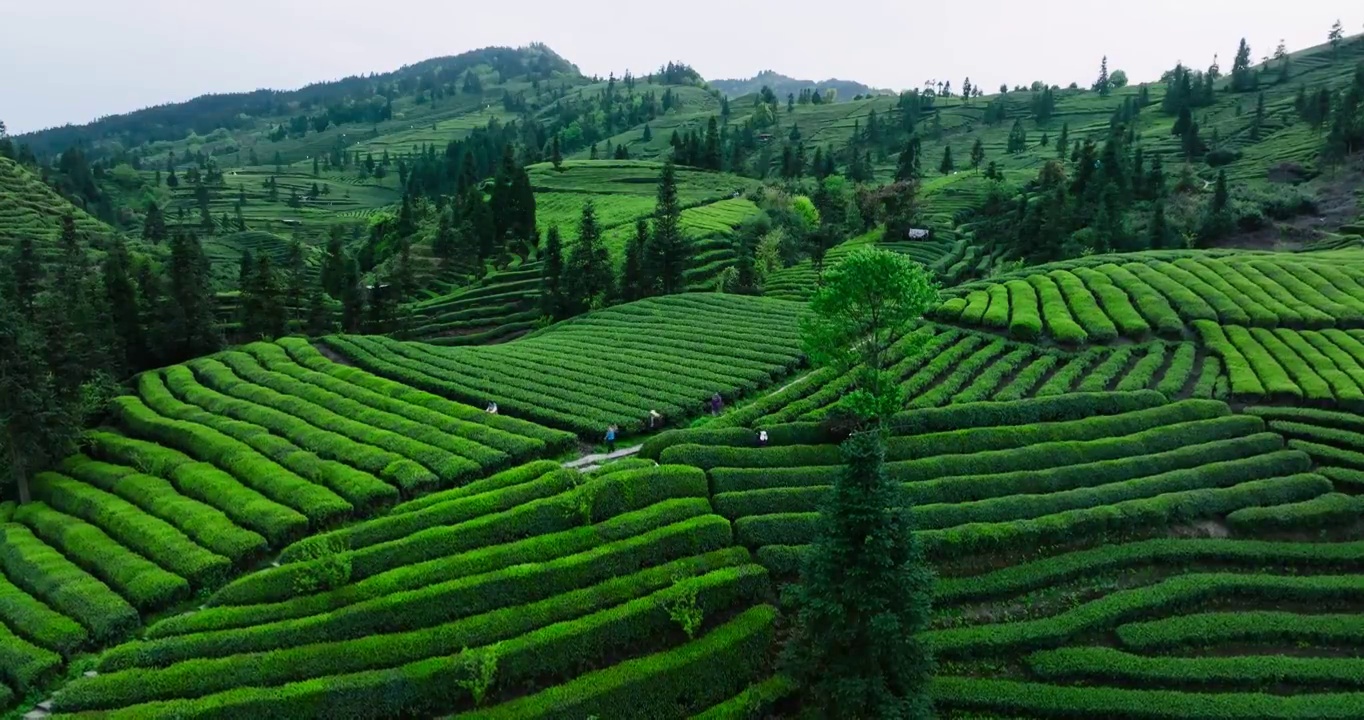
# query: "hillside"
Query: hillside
{"points": [[1126, 433], [29, 208], [784, 85]]}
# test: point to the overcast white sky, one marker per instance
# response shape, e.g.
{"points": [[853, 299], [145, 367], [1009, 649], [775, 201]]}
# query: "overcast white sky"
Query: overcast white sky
{"points": [[74, 60]]}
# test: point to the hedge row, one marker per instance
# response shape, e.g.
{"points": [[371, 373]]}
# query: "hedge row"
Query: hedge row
{"points": [[944, 362], [1332, 510], [1179, 553], [504, 429], [1333, 354], [1245, 383], [208, 526], [128, 525], [1269, 371], [1186, 302], [47, 575], [397, 526], [787, 434], [968, 370], [1216, 628], [1310, 416], [970, 489], [1107, 371], [37, 623], [595, 501], [1149, 302], [418, 434], [1070, 374], [1031, 453], [1025, 320], [1085, 306], [441, 602], [622, 465], [704, 671], [1116, 304], [1125, 606], [582, 420], [311, 452], [315, 502], [1036, 699], [720, 578], [504, 479], [538, 549], [1300, 371], [799, 389], [1212, 290], [1141, 514], [754, 702], [23, 665], [1143, 373], [1075, 406], [410, 465], [139, 580], [246, 507], [489, 447], [997, 314], [1027, 379], [1340, 386], [1181, 368], [1101, 664], [1208, 378], [1055, 312]]}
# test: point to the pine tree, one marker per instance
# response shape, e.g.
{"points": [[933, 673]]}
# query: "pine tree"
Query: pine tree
{"points": [[667, 250], [1159, 227], [648, 134], [947, 166], [1242, 77], [37, 426], [556, 156], [1257, 125], [711, 158], [634, 283], [977, 154], [588, 279], [246, 269], [28, 275], [295, 279], [319, 318], [191, 328], [856, 647], [264, 315], [909, 164], [352, 299], [1103, 85], [551, 276], [1063, 141], [154, 226], [1018, 138], [1335, 36], [121, 296]]}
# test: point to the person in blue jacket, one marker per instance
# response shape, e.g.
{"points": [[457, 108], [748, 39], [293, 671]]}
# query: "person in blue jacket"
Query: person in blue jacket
{"points": [[610, 438]]}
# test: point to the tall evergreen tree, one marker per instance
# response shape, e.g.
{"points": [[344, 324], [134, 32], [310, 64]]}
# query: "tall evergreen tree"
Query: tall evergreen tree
{"points": [[556, 156], [264, 315], [909, 165], [712, 159], [588, 279], [154, 225], [634, 282], [37, 426], [121, 296], [1242, 77], [1063, 141], [947, 166], [191, 327], [1104, 85], [1018, 138], [352, 298], [551, 275], [856, 647], [295, 279], [28, 274], [1159, 227], [667, 251], [1257, 124]]}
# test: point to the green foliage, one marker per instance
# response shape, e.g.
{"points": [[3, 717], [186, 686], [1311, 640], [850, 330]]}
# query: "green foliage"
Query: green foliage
{"points": [[479, 671]]}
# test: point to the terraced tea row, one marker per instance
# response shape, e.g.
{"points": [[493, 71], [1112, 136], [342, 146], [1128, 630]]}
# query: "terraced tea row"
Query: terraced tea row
{"points": [[1061, 470], [1318, 367], [212, 464], [1093, 302], [500, 307], [495, 598], [611, 367], [938, 365]]}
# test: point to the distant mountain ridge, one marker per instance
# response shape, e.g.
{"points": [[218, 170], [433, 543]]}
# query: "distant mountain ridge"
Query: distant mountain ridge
{"points": [[783, 85]]}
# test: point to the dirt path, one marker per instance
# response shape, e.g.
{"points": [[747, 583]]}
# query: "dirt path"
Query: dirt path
{"points": [[588, 463]]}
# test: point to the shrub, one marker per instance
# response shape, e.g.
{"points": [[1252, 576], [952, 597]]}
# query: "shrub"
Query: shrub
{"points": [[1177, 376], [1264, 672], [997, 314], [1107, 371], [506, 478], [1036, 699], [536, 549], [201, 481], [1150, 303], [1025, 322], [37, 623], [1143, 373], [1057, 315], [144, 584], [1186, 301], [48, 575], [24, 665], [1028, 378], [984, 384], [1070, 374], [754, 702], [207, 525], [785, 434], [1215, 628], [1331, 510], [149, 536]]}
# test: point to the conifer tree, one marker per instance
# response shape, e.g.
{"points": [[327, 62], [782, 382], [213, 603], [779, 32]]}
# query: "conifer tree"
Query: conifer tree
{"points": [[154, 226], [909, 164], [551, 275], [121, 296], [947, 165], [856, 648], [191, 328], [1159, 227], [588, 279], [1018, 138], [977, 154], [1063, 141], [666, 259], [1103, 84], [1242, 77], [634, 283], [556, 156]]}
